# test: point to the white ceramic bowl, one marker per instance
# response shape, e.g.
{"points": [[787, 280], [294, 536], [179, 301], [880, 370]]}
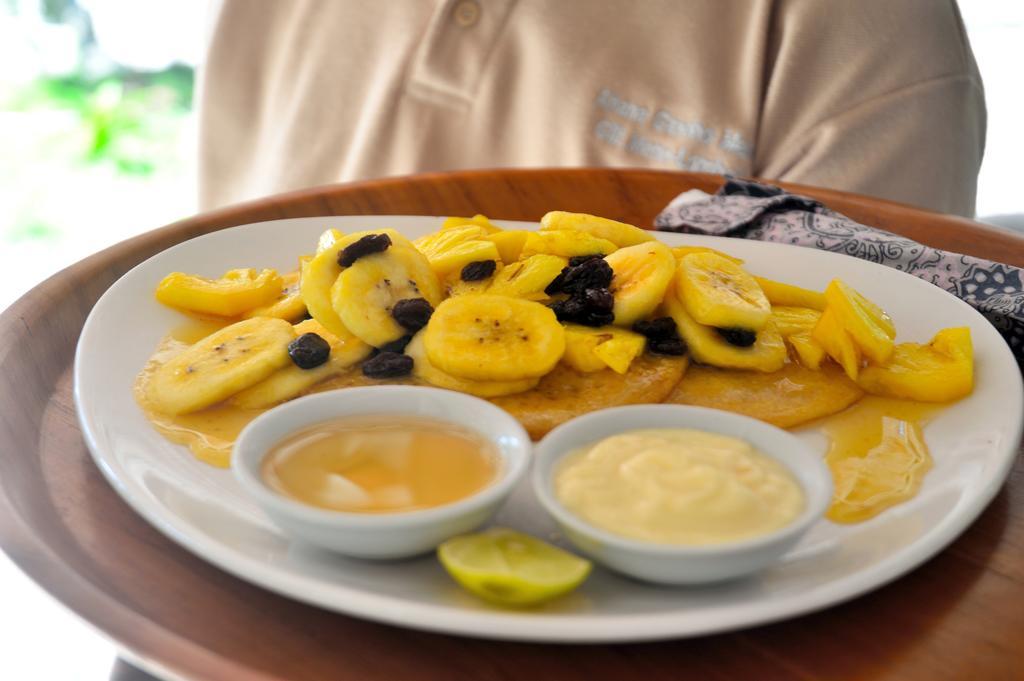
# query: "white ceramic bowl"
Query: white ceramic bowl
{"points": [[667, 564], [385, 535]]}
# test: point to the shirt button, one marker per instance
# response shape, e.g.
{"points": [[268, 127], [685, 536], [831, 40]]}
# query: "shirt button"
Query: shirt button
{"points": [[467, 13]]}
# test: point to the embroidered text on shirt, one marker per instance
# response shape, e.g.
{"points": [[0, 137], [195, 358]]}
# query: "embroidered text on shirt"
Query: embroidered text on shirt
{"points": [[670, 125], [609, 101], [617, 134]]}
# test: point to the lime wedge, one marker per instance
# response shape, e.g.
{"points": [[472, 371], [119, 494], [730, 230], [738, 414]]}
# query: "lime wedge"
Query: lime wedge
{"points": [[511, 568]]}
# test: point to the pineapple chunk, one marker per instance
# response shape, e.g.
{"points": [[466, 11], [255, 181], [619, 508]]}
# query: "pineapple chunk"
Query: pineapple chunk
{"points": [[796, 324], [565, 243], [941, 371], [809, 351], [682, 251], [452, 249], [793, 320], [442, 240], [869, 326], [829, 332], [620, 351], [328, 239], [527, 278], [438, 242], [453, 260], [593, 349], [619, 233], [237, 292], [787, 294], [580, 343], [478, 220], [289, 305], [510, 243]]}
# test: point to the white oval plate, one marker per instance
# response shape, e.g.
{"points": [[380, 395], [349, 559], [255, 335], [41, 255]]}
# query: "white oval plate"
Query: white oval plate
{"points": [[203, 509]]}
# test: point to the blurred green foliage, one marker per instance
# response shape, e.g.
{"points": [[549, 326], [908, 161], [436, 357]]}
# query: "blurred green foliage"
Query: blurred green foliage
{"points": [[121, 135], [124, 116], [32, 231], [87, 158]]}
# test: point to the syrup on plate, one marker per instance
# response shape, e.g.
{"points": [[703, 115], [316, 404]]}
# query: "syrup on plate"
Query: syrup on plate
{"points": [[877, 455]]}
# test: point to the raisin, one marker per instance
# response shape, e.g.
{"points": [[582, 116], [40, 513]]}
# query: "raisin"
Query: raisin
{"points": [[397, 345], [596, 318], [481, 269], [412, 313], [368, 245], [387, 365], [741, 338], [667, 346], [598, 300], [580, 259], [593, 308], [656, 329], [662, 336], [593, 273], [309, 351], [567, 310]]}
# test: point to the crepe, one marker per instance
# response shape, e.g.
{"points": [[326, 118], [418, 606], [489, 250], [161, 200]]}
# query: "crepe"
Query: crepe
{"points": [[565, 393], [790, 397], [786, 398]]}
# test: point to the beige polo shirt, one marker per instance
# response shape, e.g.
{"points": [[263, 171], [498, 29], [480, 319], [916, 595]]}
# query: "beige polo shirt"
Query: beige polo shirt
{"points": [[880, 97]]}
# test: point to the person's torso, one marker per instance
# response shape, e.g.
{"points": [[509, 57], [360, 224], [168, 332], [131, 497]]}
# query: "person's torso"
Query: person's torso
{"points": [[305, 93]]}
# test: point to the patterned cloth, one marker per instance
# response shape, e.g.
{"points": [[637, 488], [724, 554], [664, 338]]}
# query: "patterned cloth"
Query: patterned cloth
{"points": [[758, 211]]}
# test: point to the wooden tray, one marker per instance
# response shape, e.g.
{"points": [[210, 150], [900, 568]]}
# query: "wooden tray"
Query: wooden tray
{"points": [[959, 616]]}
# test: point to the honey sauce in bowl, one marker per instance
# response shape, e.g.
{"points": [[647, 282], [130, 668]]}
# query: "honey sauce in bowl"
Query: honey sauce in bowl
{"points": [[381, 464]]}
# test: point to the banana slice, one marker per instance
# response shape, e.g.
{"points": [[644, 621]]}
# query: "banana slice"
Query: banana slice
{"points": [[425, 371], [718, 292], [320, 273], [222, 364], [364, 293], [453, 285], [397, 238], [768, 353], [283, 385], [291, 381], [494, 338], [642, 274], [316, 279], [619, 233]]}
